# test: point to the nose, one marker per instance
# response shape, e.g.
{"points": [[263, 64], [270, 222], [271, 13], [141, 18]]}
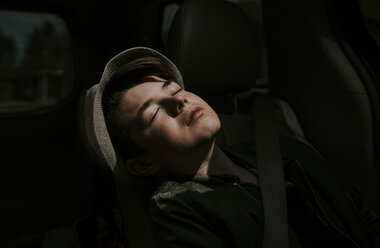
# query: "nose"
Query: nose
{"points": [[174, 104]]}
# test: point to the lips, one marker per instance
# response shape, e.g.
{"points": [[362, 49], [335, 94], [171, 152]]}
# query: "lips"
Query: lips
{"points": [[195, 113]]}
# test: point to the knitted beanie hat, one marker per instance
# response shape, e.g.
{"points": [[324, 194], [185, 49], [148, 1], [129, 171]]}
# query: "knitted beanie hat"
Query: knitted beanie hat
{"points": [[96, 130]]}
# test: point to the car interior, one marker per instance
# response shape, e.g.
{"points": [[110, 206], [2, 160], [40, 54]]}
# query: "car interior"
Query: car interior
{"points": [[318, 60]]}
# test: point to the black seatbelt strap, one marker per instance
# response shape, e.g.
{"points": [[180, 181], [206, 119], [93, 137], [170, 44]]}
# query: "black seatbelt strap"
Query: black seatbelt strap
{"points": [[271, 174]]}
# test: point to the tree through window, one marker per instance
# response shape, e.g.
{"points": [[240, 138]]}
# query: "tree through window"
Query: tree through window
{"points": [[36, 68]]}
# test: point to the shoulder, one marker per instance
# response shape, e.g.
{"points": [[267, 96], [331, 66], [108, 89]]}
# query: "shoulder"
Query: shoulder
{"points": [[174, 199], [179, 190]]}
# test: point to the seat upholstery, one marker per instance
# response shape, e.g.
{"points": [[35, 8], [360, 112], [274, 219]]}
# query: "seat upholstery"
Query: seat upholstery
{"points": [[326, 83], [214, 45]]}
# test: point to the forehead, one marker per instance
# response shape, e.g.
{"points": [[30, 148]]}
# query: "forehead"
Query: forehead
{"points": [[136, 96]]}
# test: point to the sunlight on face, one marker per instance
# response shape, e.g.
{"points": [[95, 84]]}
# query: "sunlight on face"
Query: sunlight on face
{"points": [[176, 127]]}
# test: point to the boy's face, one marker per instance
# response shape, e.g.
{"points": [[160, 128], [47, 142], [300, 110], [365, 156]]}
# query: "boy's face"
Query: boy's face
{"points": [[175, 127]]}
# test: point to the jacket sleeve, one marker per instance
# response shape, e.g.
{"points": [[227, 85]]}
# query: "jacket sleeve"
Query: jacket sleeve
{"points": [[178, 224], [369, 221]]}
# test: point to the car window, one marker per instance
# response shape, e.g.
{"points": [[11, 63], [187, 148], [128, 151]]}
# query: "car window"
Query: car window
{"points": [[36, 65]]}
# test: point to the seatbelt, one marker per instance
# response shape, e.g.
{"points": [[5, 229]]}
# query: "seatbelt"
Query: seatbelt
{"points": [[271, 174]]}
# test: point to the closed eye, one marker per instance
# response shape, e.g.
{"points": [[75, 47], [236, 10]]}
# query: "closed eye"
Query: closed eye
{"points": [[158, 109], [176, 91], [154, 116]]}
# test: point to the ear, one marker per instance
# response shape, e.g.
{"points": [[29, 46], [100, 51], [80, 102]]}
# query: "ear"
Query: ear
{"points": [[141, 167]]}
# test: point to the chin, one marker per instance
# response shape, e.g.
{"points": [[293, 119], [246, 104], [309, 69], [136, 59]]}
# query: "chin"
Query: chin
{"points": [[212, 126]]}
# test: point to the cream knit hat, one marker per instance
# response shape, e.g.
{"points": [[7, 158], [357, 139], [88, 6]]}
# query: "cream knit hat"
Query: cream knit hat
{"points": [[95, 125]]}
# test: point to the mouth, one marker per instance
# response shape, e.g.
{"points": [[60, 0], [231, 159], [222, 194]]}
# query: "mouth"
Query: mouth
{"points": [[195, 113]]}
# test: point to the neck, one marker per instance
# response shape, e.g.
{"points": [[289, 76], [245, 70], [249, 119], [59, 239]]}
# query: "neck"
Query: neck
{"points": [[217, 163], [205, 165]]}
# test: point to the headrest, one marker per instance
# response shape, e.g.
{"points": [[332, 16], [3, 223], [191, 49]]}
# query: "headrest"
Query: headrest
{"points": [[214, 45], [96, 129]]}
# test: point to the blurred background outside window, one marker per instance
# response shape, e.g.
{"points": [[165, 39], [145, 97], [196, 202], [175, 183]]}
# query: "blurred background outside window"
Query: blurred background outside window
{"points": [[36, 65]]}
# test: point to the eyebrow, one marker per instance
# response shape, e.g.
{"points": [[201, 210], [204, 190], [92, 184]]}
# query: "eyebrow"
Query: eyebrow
{"points": [[149, 102], [166, 84]]}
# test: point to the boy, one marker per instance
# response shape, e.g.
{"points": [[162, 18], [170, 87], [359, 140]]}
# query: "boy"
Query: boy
{"points": [[206, 196]]}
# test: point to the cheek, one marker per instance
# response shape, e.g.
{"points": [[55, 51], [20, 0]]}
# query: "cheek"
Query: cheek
{"points": [[206, 128], [165, 134]]}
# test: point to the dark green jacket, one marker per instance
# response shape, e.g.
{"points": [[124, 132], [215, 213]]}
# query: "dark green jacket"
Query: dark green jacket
{"points": [[220, 212]]}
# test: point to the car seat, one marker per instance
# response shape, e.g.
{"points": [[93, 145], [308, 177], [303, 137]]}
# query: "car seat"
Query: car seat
{"points": [[316, 69], [217, 49], [240, 64]]}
